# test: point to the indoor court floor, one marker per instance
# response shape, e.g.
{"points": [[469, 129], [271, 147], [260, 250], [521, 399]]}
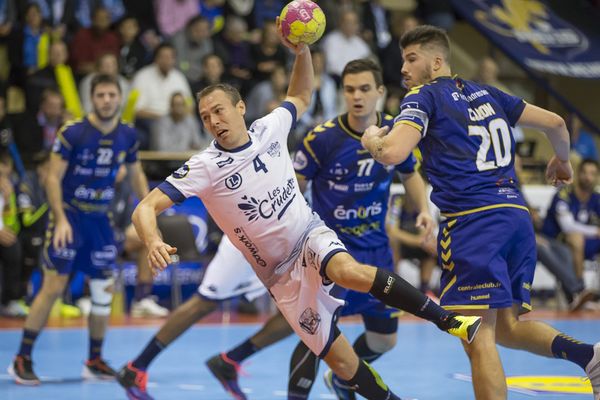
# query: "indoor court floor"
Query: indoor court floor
{"points": [[426, 364]]}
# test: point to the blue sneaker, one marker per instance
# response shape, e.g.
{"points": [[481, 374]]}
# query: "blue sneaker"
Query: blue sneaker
{"points": [[226, 371], [338, 387]]}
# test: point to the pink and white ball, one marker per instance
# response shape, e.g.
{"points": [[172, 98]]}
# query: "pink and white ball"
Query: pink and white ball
{"points": [[302, 21]]}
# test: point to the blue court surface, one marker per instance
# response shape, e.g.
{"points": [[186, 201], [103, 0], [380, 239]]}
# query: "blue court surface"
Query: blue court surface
{"points": [[425, 364]]}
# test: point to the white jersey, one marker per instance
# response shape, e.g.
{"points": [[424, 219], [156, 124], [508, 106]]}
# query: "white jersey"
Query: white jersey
{"points": [[252, 194]]}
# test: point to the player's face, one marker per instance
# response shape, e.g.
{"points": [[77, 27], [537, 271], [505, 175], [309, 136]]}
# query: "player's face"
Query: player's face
{"points": [[106, 100], [361, 93], [224, 120], [588, 177], [417, 67]]}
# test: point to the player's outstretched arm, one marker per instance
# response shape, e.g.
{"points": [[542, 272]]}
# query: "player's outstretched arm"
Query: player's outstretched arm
{"points": [[391, 148], [144, 220], [138, 179], [559, 171], [301, 80]]}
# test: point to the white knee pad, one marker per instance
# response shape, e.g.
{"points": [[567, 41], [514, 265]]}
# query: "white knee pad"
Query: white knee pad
{"points": [[380, 342], [102, 294]]}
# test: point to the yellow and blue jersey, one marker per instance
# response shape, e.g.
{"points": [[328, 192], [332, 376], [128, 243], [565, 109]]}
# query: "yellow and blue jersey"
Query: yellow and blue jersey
{"points": [[467, 144], [349, 188], [93, 161]]}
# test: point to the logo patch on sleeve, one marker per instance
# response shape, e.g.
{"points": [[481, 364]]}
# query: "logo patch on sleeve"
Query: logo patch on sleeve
{"points": [[181, 172]]}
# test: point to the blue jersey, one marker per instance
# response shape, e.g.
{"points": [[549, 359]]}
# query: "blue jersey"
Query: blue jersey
{"points": [[467, 143], [349, 189], [587, 213], [93, 161]]}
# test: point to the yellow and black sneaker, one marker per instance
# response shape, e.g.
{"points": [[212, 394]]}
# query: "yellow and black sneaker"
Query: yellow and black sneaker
{"points": [[462, 326], [21, 370]]}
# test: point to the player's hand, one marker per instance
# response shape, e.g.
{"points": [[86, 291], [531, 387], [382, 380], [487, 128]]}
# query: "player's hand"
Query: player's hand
{"points": [[371, 133], [159, 255], [429, 245], [296, 48], [558, 172], [63, 234], [425, 222]]}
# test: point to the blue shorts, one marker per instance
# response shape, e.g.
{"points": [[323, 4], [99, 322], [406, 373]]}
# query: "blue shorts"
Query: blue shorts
{"points": [[93, 250], [377, 316], [488, 259]]}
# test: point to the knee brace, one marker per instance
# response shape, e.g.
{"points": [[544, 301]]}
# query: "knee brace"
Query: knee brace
{"points": [[101, 291]]}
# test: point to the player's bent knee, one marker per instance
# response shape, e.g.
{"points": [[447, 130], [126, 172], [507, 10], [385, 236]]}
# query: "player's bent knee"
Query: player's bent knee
{"points": [[381, 342], [101, 291], [344, 270]]}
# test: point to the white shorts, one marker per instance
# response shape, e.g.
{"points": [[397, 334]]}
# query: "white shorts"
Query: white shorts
{"points": [[302, 296], [229, 275]]}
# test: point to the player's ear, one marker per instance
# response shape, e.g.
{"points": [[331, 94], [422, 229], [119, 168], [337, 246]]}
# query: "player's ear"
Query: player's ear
{"points": [[437, 63], [381, 90], [241, 107]]}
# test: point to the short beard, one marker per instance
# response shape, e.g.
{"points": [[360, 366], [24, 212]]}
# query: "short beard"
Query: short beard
{"points": [[105, 119]]}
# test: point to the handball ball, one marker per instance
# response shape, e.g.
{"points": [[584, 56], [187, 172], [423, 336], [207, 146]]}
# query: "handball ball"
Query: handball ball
{"points": [[302, 21]]}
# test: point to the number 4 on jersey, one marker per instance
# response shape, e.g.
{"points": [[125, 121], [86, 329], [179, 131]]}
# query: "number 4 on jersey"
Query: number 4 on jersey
{"points": [[259, 165]]}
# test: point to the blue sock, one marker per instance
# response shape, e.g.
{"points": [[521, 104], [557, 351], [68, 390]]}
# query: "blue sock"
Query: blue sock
{"points": [[243, 351], [153, 348], [27, 342], [564, 346], [95, 348]]}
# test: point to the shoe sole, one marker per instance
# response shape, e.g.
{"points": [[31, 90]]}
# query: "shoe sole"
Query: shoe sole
{"points": [[91, 376], [213, 370], [472, 331], [19, 380]]}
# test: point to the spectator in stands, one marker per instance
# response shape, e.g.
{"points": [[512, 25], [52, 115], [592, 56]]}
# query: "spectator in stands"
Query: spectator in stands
{"points": [[266, 10], [574, 215], [192, 44], [265, 92], [107, 64], [8, 19], [376, 21], [436, 12], [582, 142], [133, 54], [173, 15], [344, 44], [558, 259], [33, 211], [212, 72], [90, 43], [10, 249], [155, 84], [45, 78], [392, 62], [59, 16], [36, 131], [177, 131], [234, 50], [323, 104], [23, 45], [269, 53], [214, 12], [7, 141]]}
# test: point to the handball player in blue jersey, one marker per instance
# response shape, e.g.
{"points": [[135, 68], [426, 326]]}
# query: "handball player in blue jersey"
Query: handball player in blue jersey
{"points": [[80, 185], [486, 244]]}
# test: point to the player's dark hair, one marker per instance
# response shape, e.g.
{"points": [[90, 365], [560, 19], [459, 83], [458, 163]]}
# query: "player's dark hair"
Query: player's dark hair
{"points": [[230, 91], [102, 79], [364, 65], [587, 161], [427, 35]]}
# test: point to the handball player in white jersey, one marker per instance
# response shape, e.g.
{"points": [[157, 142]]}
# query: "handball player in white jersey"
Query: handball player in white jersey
{"points": [[246, 180]]}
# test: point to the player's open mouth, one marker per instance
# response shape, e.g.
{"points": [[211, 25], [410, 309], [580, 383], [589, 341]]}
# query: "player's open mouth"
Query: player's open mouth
{"points": [[222, 132]]}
